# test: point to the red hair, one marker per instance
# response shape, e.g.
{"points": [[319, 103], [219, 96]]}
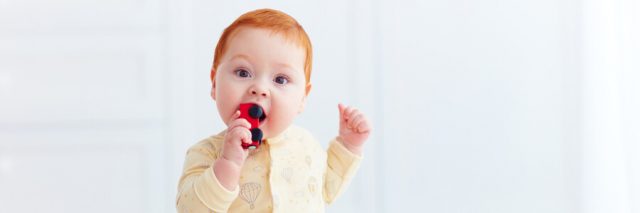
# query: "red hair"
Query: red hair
{"points": [[277, 22]]}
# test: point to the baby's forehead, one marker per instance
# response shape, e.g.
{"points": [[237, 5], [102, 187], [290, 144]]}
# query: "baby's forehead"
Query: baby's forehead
{"points": [[254, 43], [272, 35]]}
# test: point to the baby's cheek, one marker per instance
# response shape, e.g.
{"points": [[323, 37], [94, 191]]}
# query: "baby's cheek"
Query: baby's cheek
{"points": [[226, 107], [278, 122]]}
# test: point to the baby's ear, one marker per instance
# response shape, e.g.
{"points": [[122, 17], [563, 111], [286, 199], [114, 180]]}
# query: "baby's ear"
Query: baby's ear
{"points": [[304, 98], [213, 93], [213, 84], [307, 89]]}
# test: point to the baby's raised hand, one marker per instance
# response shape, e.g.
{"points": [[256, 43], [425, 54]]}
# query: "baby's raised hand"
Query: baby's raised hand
{"points": [[237, 133], [354, 128]]}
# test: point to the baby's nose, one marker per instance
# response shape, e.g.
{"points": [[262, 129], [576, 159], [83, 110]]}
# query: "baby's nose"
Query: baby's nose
{"points": [[259, 91]]}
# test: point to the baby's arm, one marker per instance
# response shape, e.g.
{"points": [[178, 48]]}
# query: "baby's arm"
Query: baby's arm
{"points": [[198, 189], [344, 154], [209, 181], [228, 167]]}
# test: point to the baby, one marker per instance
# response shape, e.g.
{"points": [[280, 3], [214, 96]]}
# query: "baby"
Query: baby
{"points": [[264, 58]]}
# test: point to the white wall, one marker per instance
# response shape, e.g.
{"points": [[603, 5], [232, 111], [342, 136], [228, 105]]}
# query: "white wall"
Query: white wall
{"points": [[479, 106], [483, 102]]}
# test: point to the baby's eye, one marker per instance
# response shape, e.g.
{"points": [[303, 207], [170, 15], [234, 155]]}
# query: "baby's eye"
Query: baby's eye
{"points": [[242, 73], [281, 80]]}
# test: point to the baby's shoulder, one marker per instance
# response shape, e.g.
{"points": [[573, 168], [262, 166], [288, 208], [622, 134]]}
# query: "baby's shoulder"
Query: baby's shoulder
{"points": [[210, 145]]}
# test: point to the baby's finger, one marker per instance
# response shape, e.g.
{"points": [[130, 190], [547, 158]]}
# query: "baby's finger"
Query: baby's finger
{"points": [[347, 113], [353, 123], [341, 115], [354, 112], [244, 126], [246, 136], [340, 108], [247, 139], [235, 116], [241, 122], [352, 115], [237, 135], [363, 126]]}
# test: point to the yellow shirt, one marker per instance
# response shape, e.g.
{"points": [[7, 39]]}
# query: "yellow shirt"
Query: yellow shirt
{"points": [[288, 173]]}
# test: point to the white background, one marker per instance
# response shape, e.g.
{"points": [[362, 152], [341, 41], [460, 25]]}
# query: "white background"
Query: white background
{"points": [[479, 106]]}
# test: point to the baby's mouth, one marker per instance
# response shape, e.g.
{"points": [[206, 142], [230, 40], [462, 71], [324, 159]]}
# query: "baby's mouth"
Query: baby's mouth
{"points": [[257, 112], [263, 116]]}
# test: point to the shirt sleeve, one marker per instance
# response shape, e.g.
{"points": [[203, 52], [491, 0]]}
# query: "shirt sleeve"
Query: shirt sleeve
{"points": [[341, 166], [198, 189]]}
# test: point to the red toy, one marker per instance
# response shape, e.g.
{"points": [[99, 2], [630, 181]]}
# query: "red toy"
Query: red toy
{"points": [[254, 114]]}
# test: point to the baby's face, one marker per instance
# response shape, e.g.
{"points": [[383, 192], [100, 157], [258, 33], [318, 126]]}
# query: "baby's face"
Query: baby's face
{"points": [[261, 67]]}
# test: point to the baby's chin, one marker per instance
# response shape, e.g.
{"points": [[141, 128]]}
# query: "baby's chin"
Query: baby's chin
{"points": [[271, 131]]}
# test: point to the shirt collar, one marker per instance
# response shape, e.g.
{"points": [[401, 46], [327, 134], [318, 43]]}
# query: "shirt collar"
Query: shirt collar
{"points": [[279, 138]]}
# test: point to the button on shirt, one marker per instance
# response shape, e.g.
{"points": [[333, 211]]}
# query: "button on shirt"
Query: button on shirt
{"points": [[288, 173]]}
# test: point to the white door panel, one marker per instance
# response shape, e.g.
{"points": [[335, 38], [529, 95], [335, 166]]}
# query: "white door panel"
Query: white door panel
{"points": [[81, 78], [80, 17], [82, 106], [81, 169]]}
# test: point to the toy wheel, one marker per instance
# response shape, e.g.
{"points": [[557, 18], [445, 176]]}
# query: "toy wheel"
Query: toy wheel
{"points": [[255, 111], [256, 134]]}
